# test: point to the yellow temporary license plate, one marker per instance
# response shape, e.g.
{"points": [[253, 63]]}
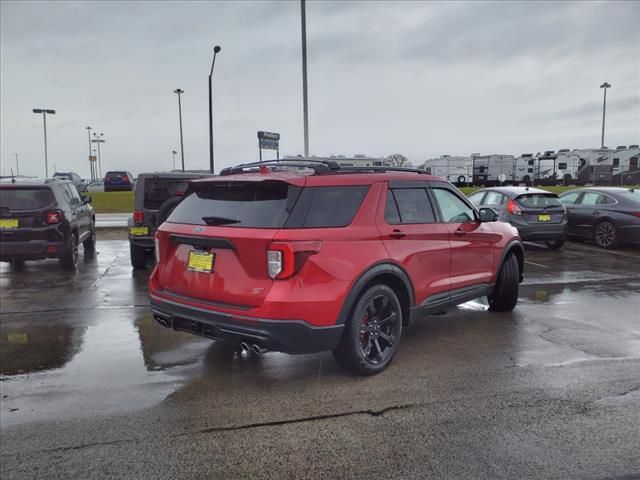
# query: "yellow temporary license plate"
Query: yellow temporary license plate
{"points": [[544, 217], [200, 261], [8, 223], [139, 230]]}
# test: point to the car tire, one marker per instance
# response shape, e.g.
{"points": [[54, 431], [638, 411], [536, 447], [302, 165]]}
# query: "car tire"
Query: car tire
{"points": [[89, 244], [138, 256], [69, 260], [605, 235], [372, 332], [555, 244], [166, 208], [505, 293]]}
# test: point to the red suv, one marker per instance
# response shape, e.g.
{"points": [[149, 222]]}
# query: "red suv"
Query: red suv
{"points": [[305, 256]]}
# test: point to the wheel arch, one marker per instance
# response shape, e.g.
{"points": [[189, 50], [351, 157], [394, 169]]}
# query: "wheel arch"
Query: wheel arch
{"points": [[516, 248], [382, 273]]}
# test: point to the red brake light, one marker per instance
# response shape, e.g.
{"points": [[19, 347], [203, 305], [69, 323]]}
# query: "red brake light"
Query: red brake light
{"points": [[53, 217], [285, 259], [512, 207], [138, 217]]}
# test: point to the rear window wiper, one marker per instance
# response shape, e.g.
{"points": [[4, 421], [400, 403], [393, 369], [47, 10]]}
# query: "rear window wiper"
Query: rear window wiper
{"points": [[220, 220]]}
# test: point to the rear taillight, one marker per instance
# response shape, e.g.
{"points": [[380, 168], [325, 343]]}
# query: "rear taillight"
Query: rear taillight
{"points": [[157, 250], [284, 259], [125, 178], [138, 217], [53, 216], [512, 207], [635, 214]]}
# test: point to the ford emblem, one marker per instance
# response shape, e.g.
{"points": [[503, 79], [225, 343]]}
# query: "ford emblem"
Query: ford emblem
{"points": [[198, 229]]}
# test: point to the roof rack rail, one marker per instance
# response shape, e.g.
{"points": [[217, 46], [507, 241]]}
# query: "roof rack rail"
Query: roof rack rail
{"points": [[320, 167]]}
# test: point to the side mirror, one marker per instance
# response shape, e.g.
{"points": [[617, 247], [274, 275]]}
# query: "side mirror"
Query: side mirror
{"points": [[87, 199], [488, 215]]}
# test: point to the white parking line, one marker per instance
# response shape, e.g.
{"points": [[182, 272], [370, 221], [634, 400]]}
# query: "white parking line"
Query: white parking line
{"points": [[536, 264]]}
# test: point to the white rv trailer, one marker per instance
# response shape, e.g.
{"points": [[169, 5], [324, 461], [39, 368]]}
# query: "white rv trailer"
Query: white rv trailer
{"points": [[489, 169], [595, 166], [453, 169], [625, 164]]}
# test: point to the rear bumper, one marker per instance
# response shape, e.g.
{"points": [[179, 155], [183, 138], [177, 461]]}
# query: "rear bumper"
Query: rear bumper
{"points": [[142, 241], [289, 336], [529, 232], [118, 188], [30, 250]]}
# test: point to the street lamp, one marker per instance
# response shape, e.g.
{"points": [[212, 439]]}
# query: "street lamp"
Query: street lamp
{"points": [[216, 50], [173, 152], [44, 112], [179, 92], [17, 166], [305, 105], [605, 85], [98, 139], [93, 173]]}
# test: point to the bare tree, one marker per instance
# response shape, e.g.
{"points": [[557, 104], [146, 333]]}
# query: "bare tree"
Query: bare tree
{"points": [[397, 160]]}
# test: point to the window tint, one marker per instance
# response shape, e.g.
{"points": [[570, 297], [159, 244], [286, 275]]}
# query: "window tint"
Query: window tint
{"points": [[26, 198], [538, 200], [569, 198], [476, 198], [237, 204], [414, 205], [159, 190], [332, 206], [391, 214], [591, 198], [453, 209], [494, 198]]}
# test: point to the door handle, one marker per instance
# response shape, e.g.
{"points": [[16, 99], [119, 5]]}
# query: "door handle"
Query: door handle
{"points": [[460, 232], [397, 234]]}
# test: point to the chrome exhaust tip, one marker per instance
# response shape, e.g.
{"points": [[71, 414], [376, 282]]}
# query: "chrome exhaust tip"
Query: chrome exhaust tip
{"points": [[244, 348], [257, 349]]}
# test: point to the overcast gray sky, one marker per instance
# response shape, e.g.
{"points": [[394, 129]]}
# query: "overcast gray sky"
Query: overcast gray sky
{"points": [[422, 79]]}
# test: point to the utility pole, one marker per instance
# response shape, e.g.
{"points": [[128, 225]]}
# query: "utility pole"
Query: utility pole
{"points": [[93, 173], [179, 92], [173, 152], [17, 166], [305, 104], [98, 139], [216, 50], [605, 85], [44, 112]]}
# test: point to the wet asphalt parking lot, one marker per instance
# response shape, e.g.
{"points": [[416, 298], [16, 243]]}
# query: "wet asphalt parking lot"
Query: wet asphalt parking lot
{"points": [[92, 388]]}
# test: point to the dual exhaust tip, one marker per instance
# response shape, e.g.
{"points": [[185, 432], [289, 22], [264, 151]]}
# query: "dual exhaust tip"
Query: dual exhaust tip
{"points": [[245, 348]]}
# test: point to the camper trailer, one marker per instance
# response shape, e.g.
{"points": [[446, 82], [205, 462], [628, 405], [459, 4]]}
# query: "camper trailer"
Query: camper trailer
{"points": [[489, 169], [625, 164], [453, 169], [595, 166]]}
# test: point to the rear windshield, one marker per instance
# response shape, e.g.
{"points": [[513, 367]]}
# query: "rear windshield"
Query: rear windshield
{"points": [[25, 198], [539, 200], [269, 204], [159, 190], [237, 204]]}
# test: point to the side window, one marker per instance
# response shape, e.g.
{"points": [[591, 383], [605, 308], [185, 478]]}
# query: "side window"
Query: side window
{"points": [[591, 198], [494, 198], [66, 194], [570, 198], [476, 198], [74, 196], [334, 206], [453, 209], [414, 205], [391, 214], [605, 200]]}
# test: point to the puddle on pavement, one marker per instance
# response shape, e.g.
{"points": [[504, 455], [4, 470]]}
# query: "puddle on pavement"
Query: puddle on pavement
{"points": [[122, 362]]}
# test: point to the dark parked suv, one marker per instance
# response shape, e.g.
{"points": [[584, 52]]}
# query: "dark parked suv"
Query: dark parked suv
{"points": [[46, 219], [156, 195], [302, 257], [116, 181]]}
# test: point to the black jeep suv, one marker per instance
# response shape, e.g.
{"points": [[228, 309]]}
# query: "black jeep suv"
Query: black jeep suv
{"points": [[156, 195], [45, 219]]}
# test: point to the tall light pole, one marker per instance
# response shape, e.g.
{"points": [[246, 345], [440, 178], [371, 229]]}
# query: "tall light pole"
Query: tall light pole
{"points": [[98, 139], [44, 112], [305, 105], [93, 174], [17, 166], [216, 50], [605, 85], [179, 92], [173, 152]]}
